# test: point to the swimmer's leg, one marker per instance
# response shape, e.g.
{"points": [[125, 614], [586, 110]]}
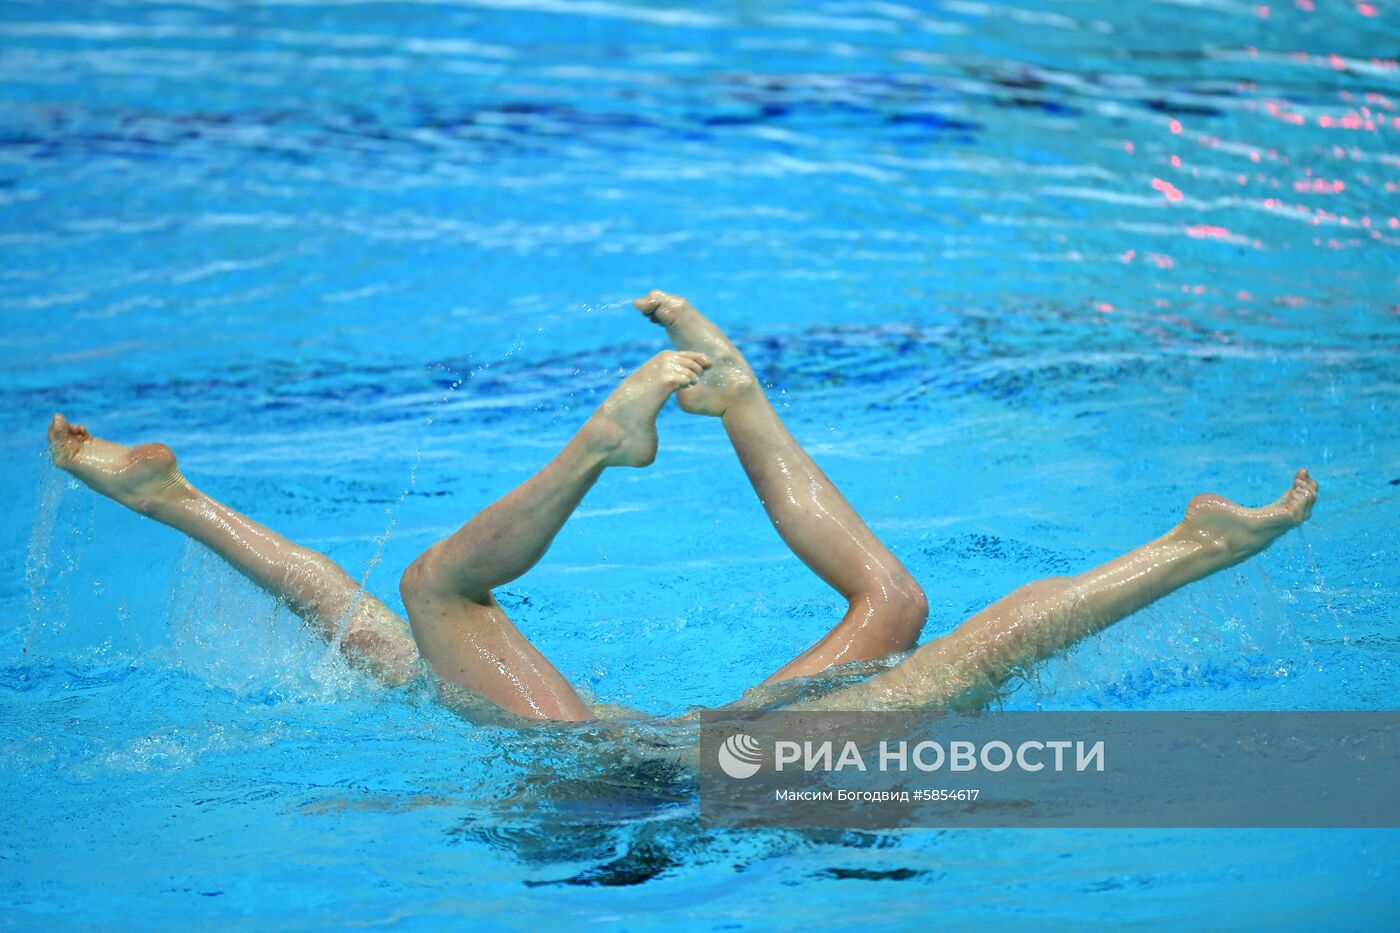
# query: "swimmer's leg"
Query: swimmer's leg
{"points": [[968, 666], [460, 628], [886, 608], [147, 480]]}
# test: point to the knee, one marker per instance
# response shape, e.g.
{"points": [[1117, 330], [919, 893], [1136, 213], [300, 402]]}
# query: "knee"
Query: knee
{"points": [[902, 605], [390, 656], [1045, 588], [919, 603], [913, 605], [433, 578], [421, 580]]}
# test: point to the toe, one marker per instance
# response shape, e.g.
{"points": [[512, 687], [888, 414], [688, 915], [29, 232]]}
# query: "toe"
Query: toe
{"points": [[690, 369], [661, 307], [1299, 500], [690, 364], [65, 440]]}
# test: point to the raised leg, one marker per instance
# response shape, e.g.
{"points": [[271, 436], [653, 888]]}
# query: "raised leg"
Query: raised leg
{"points": [[967, 667], [885, 608], [147, 480], [460, 628]]}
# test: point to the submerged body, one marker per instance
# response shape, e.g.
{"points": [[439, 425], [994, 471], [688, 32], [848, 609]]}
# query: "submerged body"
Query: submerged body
{"points": [[456, 625]]}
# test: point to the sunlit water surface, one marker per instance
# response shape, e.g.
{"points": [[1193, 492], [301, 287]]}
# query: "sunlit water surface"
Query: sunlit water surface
{"points": [[1024, 277]]}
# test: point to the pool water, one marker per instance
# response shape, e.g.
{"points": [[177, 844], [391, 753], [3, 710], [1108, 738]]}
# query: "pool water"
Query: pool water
{"points": [[1023, 276]]}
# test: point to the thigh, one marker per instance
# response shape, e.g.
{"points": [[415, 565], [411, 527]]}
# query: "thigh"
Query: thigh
{"points": [[870, 629], [474, 645]]}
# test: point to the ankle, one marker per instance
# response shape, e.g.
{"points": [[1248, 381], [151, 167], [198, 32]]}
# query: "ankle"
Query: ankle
{"points": [[170, 497], [745, 400], [601, 437], [1203, 551]]}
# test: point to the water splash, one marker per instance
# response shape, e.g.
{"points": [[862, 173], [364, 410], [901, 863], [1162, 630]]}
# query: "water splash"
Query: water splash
{"points": [[1319, 584], [38, 562], [48, 605], [232, 635], [1214, 637]]}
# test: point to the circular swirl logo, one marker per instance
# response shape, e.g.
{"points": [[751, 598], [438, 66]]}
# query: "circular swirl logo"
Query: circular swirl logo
{"points": [[740, 756]]}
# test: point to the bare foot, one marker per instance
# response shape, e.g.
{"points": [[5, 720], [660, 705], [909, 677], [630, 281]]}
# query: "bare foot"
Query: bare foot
{"points": [[1238, 533], [728, 380], [141, 478], [625, 424]]}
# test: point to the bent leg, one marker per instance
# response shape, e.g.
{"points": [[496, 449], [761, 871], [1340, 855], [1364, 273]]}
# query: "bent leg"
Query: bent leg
{"points": [[147, 480], [460, 628], [885, 608], [967, 667]]}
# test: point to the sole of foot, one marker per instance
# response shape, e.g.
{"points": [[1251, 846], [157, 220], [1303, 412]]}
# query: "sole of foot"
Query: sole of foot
{"points": [[1237, 532], [142, 478], [624, 427], [728, 380]]}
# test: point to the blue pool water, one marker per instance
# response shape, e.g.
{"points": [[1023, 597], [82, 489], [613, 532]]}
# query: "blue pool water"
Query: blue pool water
{"points": [[1024, 276]]}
